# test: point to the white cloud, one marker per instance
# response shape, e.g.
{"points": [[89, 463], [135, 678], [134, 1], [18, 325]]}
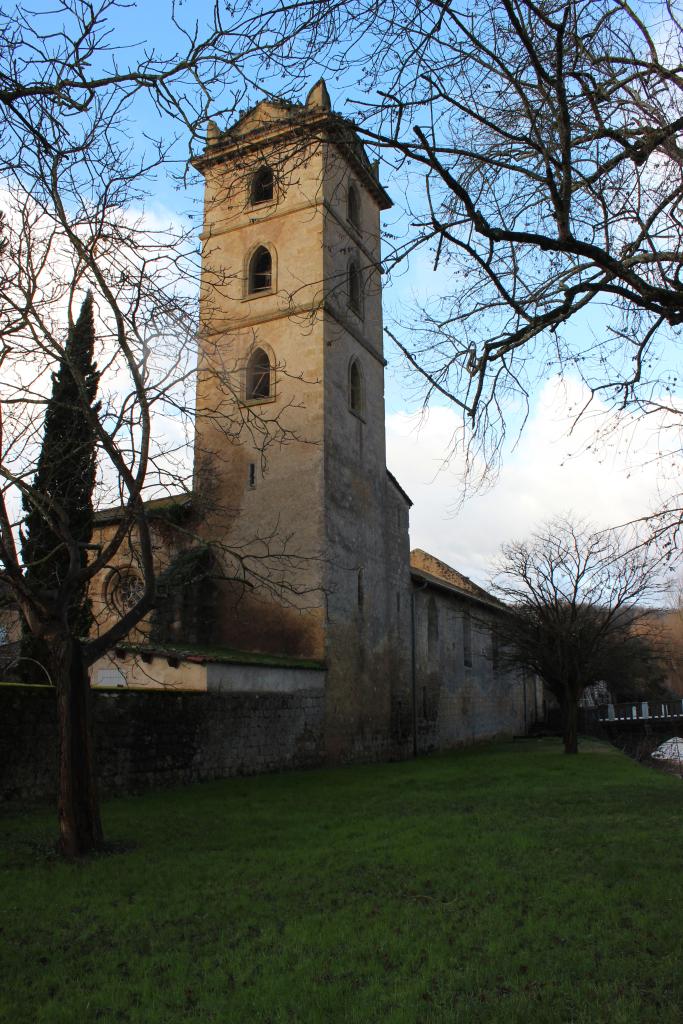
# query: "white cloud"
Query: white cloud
{"points": [[552, 470]]}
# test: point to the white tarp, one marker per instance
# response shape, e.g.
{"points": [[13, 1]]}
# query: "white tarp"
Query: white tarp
{"points": [[671, 750]]}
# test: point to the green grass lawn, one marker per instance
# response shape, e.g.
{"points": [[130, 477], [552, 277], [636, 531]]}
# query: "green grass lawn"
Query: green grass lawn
{"points": [[505, 883]]}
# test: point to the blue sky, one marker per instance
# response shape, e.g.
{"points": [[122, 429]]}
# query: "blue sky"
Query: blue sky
{"points": [[546, 473]]}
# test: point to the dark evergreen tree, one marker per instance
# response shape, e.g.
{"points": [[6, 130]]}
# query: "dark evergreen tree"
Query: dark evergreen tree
{"points": [[59, 514], [57, 529]]}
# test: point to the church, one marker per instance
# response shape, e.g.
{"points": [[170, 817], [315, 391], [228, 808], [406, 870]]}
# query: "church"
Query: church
{"points": [[288, 569]]}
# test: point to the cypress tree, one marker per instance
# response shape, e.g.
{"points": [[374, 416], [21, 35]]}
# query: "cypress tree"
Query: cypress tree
{"points": [[63, 484]]}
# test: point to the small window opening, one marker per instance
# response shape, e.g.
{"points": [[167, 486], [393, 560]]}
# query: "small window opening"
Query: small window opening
{"points": [[361, 589], [355, 388], [354, 288], [260, 271], [432, 623], [252, 474], [467, 639], [353, 207], [262, 186], [258, 383], [495, 648]]}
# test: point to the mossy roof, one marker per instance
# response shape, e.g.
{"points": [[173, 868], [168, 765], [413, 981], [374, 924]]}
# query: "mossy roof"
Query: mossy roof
{"points": [[200, 654]]}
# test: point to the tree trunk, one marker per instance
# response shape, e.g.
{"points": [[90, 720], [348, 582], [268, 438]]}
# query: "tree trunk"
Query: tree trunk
{"points": [[571, 725], [80, 829]]}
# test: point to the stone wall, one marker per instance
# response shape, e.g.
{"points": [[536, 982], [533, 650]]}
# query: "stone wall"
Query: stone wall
{"points": [[156, 738], [464, 692]]}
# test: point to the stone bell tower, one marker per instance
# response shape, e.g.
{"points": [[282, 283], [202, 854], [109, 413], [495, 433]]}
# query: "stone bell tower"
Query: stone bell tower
{"points": [[290, 467]]}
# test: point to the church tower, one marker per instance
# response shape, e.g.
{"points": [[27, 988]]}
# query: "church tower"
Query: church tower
{"points": [[290, 467]]}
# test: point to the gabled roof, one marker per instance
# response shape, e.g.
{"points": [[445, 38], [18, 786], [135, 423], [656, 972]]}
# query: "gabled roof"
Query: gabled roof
{"points": [[155, 508], [400, 490], [274, 119], [264, 114], [430, 569]]}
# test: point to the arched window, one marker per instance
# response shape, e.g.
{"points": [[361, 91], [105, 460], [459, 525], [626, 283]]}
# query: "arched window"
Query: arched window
{"points": [[355, 288], [353, 207], [355, 388], [258, 383], [260, 271], [262, 185]]}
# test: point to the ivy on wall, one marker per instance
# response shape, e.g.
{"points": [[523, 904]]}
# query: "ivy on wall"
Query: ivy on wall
{"points": [[186, 605]]}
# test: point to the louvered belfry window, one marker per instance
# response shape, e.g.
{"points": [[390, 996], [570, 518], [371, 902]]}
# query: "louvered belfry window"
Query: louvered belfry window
{"points": [[261, 271], [258, 382]]}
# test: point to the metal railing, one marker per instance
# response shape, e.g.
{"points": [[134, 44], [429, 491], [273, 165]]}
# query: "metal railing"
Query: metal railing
{"points": [[636, 711]]}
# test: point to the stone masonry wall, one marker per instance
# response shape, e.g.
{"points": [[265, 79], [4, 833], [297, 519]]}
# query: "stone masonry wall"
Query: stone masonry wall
{"points": [[464, 692], [156, 738]]}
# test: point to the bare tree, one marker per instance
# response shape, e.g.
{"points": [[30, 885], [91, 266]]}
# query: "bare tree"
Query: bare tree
{"points": [[546, 134], [73, 188], [576, 598]]}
